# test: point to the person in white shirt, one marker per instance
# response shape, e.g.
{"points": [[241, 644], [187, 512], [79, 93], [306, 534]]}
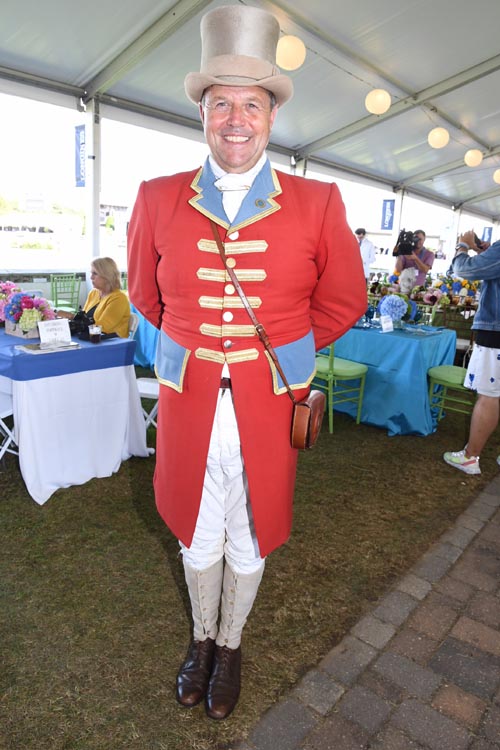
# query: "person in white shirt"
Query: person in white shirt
{"points": [[367, 250]]}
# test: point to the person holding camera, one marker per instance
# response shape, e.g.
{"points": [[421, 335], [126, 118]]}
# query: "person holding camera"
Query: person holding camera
{"points": [[483, 371], [419, 257]]}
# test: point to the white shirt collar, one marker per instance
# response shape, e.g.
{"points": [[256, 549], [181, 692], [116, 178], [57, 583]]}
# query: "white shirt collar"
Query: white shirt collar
{"points": [[247, 177]]}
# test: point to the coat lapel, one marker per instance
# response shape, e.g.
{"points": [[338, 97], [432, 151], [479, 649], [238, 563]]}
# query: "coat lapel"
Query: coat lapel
{"points": [[257, 204]]}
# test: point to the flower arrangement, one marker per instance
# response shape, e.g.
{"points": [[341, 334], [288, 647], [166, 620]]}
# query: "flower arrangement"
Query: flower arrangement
{"points": [[454, 286], [433, 296], [25, 311], [7, 288], [393, 305]]}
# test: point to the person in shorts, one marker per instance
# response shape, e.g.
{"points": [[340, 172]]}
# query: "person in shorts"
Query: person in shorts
{"points": [[483, 372]]}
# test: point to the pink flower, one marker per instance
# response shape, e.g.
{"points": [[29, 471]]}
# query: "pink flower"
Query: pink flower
{"points": [[430, 298], [27, 303]]}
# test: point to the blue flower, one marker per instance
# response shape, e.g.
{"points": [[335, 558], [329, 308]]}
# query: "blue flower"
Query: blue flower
{"points": [[393, 306]]}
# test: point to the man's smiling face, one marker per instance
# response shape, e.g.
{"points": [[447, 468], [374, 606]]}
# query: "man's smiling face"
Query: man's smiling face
{"points": [[237, 122]]}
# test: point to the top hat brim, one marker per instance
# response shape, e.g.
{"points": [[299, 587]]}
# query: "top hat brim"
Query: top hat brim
{"points": [[279, 85]]}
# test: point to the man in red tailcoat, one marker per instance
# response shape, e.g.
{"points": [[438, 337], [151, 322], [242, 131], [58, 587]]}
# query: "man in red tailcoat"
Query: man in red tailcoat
{"points": [[225, 469]]}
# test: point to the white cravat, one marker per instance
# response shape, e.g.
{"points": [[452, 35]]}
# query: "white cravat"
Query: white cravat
{"points": [[234, 187]]}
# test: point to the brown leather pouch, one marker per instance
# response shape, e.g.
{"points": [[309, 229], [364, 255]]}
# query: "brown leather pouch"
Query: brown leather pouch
{"points": [[307, 415], [307, 419]]}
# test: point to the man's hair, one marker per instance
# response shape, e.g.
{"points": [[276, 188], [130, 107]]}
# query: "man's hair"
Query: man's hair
{"points": [[420, 231]]}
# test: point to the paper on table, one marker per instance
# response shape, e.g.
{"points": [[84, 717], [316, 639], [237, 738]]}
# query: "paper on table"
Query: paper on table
{"points": [[37, 348], [54, 333], [386, 323]]}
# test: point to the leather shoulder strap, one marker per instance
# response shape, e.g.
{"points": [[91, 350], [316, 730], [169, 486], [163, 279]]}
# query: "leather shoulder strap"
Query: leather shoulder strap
{"points": [[261, 332]]}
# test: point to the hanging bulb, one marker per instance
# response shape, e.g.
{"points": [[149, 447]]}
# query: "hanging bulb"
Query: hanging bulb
{"points": [[473, 157], [290, 52], [496, 176], [438, 137], [378, 101]]}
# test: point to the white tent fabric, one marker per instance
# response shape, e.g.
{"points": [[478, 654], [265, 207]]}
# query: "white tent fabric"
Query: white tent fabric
{"points": [[438, 60]]}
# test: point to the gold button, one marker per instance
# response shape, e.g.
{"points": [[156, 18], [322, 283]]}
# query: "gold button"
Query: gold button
{"points": [[231, 262], [227, 316], [229, 289], [233, 235]]}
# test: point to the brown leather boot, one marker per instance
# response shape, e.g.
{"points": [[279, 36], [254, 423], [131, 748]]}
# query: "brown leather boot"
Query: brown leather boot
{"points": [[224, 686], [194, 673]]}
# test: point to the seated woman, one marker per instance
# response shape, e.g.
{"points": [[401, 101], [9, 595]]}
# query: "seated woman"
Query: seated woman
{"points": [[106, 303]]}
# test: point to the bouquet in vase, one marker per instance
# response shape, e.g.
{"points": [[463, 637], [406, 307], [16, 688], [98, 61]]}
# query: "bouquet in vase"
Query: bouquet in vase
{"points": [[22, 312]]}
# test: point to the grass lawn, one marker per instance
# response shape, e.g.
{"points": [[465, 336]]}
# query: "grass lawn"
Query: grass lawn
{"points": [[94, 609]]}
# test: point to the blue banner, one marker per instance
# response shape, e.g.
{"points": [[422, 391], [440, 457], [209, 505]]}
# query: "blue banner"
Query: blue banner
{"points": [[487, 231], [80, 155], [388, 214]]}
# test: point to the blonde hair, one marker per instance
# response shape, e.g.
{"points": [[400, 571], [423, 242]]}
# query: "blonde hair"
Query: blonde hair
{"points": [[107, 268]]}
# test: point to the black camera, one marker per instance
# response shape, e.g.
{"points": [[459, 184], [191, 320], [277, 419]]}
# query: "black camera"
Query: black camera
{"points": [[79, 325], [407, 243], [479, 243]]}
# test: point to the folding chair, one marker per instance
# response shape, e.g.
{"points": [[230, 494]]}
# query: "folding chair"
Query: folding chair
{"points": [[7, 442], [336, 377], [133, 325], [149, 388], [447, 391], [65, 292]]}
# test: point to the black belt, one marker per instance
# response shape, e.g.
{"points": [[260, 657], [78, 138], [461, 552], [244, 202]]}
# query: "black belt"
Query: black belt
{"points": [[225, 383]]}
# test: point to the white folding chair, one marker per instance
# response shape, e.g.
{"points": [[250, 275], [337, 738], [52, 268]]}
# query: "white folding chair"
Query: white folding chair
{"points": [[149, 388], [133, 325], [7, 444]]}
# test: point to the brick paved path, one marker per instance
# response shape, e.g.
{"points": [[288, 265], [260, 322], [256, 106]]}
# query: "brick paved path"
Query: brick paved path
{"points": [[422, 670]]}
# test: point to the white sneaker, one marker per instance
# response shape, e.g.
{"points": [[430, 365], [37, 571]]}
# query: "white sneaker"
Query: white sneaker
{"points": [[460, 461]]}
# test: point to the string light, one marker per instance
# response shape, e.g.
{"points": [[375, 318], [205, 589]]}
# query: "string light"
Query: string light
{"points": [[438, 137], [496, 176], [378, 101], [473, 157], [290, 52]]}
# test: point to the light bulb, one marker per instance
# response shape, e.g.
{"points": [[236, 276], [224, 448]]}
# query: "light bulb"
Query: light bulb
{"points": [[473, 157], [378, 101], [496, 176], [290, 52], [438, 137]]}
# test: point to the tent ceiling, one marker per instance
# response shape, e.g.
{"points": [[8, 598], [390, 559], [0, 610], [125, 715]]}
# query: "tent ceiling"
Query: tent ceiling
{"points": [[439, 61]]}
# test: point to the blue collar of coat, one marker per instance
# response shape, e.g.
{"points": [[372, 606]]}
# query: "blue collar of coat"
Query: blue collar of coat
{"points": [[257, 204]]}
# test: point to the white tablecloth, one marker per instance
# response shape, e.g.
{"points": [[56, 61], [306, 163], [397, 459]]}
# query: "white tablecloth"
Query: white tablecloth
{"points": [[71, 428]]}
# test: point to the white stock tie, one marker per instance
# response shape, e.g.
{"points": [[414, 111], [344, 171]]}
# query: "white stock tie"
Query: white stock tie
{"points": [[233, 187]]}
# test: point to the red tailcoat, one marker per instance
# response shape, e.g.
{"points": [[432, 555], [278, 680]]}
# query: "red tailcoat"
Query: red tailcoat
{"points": [[300, 266]]}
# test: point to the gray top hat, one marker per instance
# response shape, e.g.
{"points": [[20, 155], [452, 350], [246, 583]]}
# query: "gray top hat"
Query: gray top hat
{"points": [[239, 49]]}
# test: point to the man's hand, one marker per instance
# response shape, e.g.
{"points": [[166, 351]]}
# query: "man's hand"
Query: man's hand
{"points": [[469, 239]]}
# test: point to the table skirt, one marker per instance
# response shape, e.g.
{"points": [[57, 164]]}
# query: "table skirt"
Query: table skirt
{"points": [[54, 449]]}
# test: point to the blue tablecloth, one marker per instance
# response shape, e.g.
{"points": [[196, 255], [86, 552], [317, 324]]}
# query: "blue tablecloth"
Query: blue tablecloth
{"points": [[146, 337], [19, 365], [396, 391]]}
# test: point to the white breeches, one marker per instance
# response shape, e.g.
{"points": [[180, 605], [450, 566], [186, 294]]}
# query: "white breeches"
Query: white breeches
{"points": [[225, 523]]}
